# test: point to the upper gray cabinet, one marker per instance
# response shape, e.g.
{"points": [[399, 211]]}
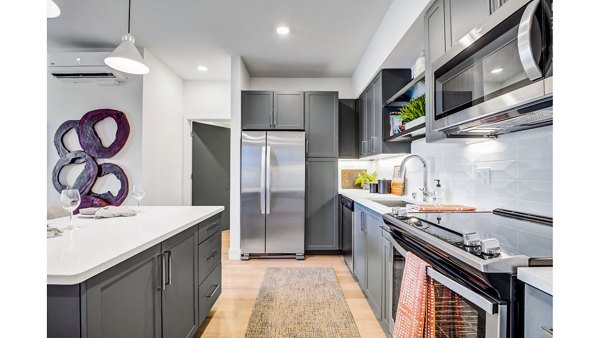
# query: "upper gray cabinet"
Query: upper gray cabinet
{"points": [[372, 112], [321, 114], [464, 15], [263, 110], [348, 129]]}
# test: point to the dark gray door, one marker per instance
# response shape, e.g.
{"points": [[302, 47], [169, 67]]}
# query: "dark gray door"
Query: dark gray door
{"points": [[370, 119], [375, 262], [363, 144], [321, 110], [359, 245], [464, 15], [257, 110], [386, 305], [377, 140], [125, 300], [322, 228], [289, 110], [179, 297], [435, 32], [210, 167], [348, 129]]}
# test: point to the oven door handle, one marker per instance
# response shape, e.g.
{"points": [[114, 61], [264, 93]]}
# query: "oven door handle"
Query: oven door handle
{"points": [[482, 302], [532, 69]]}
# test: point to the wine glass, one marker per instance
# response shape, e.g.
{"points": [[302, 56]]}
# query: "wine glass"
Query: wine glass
{"points": [[139, 193], [70, 200]]}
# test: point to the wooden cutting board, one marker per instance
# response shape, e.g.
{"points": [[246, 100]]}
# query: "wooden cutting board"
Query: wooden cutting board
{"points": [[348, 178]]}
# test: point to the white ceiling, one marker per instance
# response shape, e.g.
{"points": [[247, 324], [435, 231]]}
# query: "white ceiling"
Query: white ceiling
{"points": [[327, 37]]}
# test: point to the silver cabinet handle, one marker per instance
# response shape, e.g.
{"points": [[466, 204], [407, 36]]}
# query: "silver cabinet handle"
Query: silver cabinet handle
{"points": [[532, 69], [163, 271], [373, 143], [263, 174], [268, 185], [214, 225], [547, 330], [168, 255], [214, 291], [212, 255], [363, 147]]}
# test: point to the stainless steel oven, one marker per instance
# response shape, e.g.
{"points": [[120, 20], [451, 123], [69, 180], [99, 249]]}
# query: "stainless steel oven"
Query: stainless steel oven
{"points": [[460, 311], [498, 78]]}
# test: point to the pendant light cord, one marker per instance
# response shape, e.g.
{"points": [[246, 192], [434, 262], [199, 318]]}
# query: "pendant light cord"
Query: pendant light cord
{"points": [[129, 19]]}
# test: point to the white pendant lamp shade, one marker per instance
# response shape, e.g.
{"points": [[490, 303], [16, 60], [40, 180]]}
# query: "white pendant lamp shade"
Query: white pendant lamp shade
{"points": [[126, 58], [53, 10]]}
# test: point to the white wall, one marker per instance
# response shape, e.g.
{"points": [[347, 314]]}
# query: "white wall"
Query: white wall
{"points": [[240, 80], [341, 84], [69, 101], [162, 141], [207, 99], [396, 22], [520, 164]]}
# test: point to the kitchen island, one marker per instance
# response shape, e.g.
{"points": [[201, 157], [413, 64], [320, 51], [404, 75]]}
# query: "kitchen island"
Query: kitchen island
{"points": [[156, 274]]}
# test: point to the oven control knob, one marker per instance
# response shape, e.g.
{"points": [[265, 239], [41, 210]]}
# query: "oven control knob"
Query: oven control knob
{"points": [[490, 247], [471, 239]]}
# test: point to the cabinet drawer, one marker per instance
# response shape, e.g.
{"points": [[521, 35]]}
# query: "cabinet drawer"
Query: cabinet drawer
{"points": [[209, 255], [208, 292], [208, 227]]}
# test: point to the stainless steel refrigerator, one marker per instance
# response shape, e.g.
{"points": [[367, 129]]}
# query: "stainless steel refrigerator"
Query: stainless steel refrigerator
{"points": [[272, 193]]}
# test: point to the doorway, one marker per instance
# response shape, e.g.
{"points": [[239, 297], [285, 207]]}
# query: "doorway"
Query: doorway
{"points": [[210, 167]]}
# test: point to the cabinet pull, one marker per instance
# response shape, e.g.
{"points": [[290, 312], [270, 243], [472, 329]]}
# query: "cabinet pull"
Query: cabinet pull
{"points": [[212, 254], [168, 256], [214, 225], [163, 270], [547, 330], [363, 147], [213, 291]]}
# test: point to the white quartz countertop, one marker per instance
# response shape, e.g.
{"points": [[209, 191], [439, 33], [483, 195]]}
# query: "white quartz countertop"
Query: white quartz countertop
{"points": [[538, 277], [101, 244], [364, 197]]}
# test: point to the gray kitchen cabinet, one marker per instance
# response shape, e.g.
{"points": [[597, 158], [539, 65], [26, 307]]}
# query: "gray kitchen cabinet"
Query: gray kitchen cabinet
{"points": [[372, 111], [321, 116], [257, 110], [288, 112], [386, 306], [209, 291], [125, 301], [375, 263], [322, 228], [538, 313], [464, 15], [179, 296], [266, 110], [348, 129], [359, 245]]}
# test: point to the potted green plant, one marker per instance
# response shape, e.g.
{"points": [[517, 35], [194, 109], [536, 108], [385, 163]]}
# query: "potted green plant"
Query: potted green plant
{"points": [[413, 113], [364, 178]]}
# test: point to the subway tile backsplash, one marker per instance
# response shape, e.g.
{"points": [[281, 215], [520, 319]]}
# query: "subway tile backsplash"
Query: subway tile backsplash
{"points": [[520, 167]]}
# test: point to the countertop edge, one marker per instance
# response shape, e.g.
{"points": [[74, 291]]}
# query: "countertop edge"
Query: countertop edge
{"points": [[93, 271], [538, 277], [355, 195]]}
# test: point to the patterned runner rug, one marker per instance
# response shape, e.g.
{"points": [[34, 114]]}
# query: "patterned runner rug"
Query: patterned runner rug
{"points": [[301, 303]]}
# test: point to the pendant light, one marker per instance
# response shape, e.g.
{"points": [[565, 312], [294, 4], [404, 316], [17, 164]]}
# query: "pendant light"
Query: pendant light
{"points": [[52, 9], [126, 58]]}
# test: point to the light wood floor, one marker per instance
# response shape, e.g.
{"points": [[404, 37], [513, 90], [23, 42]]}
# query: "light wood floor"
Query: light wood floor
{"points": [[241, 282]]}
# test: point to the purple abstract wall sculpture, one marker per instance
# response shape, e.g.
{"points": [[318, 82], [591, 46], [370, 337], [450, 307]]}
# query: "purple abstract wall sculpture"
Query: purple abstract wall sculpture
{"points": [[92, 148]]}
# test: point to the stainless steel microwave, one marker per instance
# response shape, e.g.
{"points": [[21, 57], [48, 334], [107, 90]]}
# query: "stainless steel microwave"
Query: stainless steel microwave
{"points": [[498, 78]]}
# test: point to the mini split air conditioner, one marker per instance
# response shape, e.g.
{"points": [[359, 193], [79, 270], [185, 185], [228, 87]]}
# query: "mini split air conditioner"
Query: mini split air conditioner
{"points": [[81, 67]]}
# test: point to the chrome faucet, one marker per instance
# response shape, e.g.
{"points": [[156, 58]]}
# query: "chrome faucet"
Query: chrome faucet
{"points": [[425, 191]]}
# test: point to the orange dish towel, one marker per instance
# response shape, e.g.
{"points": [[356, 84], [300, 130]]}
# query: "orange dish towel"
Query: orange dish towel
{"points": [[439, 208], [415, 317]]}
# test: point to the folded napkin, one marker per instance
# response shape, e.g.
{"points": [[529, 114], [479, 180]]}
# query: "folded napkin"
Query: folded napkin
{"points": [[415, 317], [112, 211], [438, 208], [53, 232]]}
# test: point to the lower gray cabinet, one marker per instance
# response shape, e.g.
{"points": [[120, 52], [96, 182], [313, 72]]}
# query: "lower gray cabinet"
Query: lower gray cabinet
{"points": [[538, 313], [125, 301], [322, 228], [359, 245], [375, 263], [386, 305], [208, 291], [179, 294]]}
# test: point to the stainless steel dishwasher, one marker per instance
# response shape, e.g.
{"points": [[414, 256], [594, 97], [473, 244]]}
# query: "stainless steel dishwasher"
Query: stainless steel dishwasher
{"points": [[347, 225]]}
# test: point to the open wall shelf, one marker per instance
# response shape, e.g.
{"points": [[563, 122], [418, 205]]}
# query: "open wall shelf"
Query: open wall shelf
{"points": [[405, 94]]}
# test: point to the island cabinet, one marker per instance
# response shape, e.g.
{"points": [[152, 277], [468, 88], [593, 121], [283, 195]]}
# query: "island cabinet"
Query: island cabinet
{"points": [[164, 291]]}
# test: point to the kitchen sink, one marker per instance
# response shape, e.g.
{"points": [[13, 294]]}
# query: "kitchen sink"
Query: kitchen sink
{"points": [[389, 203]]}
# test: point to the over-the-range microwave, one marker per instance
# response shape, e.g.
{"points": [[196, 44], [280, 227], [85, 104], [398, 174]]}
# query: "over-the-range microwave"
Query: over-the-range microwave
{"points": [[498, 78]]}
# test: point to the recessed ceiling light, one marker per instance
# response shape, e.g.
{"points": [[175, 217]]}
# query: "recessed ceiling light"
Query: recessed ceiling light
{"points": [[202, 68], [496, 70], [282, 30], [53, 10]]}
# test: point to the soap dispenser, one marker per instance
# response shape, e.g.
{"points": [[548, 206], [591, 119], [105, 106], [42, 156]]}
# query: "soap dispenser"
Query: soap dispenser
{"points": [[438, 193]]}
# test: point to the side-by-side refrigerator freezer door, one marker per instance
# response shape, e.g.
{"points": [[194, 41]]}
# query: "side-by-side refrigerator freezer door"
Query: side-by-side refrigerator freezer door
{"points": [[285, 192], [253, 191]]}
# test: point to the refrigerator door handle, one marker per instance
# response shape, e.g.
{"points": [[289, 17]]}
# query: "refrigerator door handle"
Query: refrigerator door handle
{"points": [[262, 180], [268, 185]]}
